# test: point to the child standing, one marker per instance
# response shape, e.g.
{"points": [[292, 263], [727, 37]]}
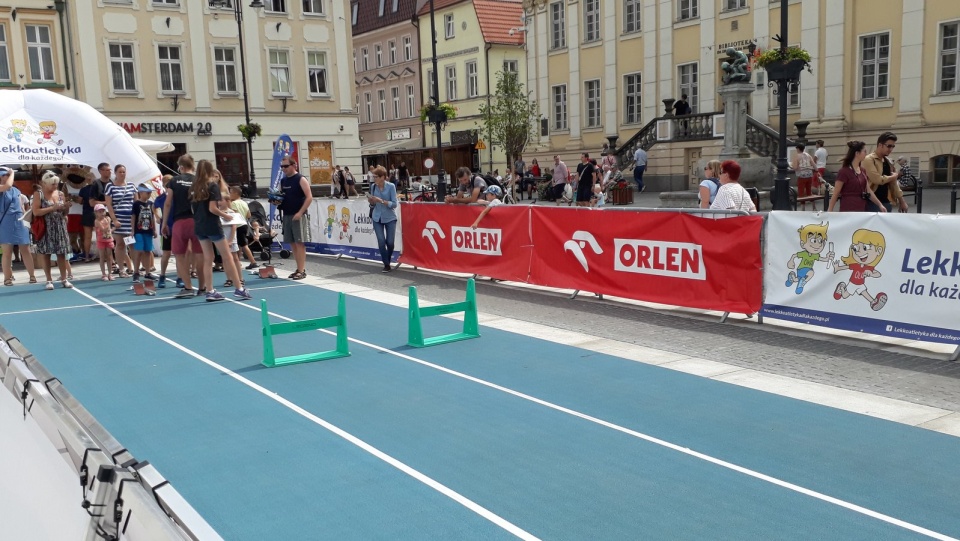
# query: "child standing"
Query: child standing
{"points": [[104, 236], [144, 230]]}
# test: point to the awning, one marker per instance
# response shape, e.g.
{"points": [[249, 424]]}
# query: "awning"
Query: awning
{"points": [[153, 147], [383, 147]]}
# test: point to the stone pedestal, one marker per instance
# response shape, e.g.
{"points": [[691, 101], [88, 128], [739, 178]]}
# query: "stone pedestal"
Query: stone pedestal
{"points": [[735, 98]]}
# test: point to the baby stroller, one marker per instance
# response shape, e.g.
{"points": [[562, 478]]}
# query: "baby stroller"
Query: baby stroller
{"points": [[263, 242]]}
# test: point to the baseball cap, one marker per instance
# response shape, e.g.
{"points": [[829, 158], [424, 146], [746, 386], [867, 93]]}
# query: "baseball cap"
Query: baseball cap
{"points": [[4, 170], [495, 190], [144, 188], [99, 207]]}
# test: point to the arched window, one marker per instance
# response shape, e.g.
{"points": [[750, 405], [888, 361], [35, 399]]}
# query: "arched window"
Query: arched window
{"points": [[946, 168]]}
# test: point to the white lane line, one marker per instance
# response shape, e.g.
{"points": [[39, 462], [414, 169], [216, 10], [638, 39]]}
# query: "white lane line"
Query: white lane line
{"points": [[673, 446], [423, 478], [59, 308]]}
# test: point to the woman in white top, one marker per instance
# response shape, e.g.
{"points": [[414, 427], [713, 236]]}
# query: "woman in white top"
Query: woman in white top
{"points": [[731, 195]]}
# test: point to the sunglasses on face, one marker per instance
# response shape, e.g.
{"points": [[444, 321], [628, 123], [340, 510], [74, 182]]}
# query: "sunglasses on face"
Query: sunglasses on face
{"points": [[890, 146]]}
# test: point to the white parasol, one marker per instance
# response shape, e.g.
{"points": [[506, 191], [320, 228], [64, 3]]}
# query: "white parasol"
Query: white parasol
{"points": [[39, 126]]}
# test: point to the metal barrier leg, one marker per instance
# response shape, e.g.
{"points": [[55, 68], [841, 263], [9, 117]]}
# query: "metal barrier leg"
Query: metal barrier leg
{"points": [[723, 318], [575, 292]]}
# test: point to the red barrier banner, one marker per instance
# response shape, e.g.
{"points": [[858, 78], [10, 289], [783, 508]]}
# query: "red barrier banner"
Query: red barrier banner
{"points": [[668, 258], [440, 237]]}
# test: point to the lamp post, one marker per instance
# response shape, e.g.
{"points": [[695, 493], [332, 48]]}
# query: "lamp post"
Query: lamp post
{"points": [[238, 15], [435, 84], [781, 183]]}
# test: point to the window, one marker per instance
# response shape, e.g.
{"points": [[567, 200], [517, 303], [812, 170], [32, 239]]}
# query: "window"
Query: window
{"points": [[354, 9], [366, 97], [313, 7], [317, 73], [392, 51], [510, 66], [591, 20], [4, 55], [688, 9], [631, 15], [730, 5], [382, 98], [224, 4], [430, 86], [473, 80], [395, 96], [166, 2], [354, 60], [687, 77], [122, 68], [407, 49], [366, 59], [591, 94], [279, 72], [559, 107], [378, 55], [558, 30], [631, 98], [874, 66], [949, 54], [946, 169], [411, 102], [451, 74], [448, 27], [171, 70], [226, 69], [40, 53], [396, 5], [380, 11], [276, 6]]}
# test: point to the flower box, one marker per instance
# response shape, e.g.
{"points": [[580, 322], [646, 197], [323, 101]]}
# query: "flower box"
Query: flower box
{"points": [[621, 195], [780, 70]]}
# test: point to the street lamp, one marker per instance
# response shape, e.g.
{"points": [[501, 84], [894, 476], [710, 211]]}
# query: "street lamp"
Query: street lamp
{"points": [[238, 15], [435, 84], [781, 183]]}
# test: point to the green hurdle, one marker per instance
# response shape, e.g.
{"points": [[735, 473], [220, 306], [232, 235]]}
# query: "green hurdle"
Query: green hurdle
{"points": [[270, 329], [471, 328]]}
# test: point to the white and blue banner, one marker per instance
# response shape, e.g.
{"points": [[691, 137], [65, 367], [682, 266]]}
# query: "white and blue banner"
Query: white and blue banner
{"points": [[890, 274], [343, 227]]}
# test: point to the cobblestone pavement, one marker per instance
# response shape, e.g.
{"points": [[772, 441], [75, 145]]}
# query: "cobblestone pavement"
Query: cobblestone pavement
{"points": [[854, 364]]}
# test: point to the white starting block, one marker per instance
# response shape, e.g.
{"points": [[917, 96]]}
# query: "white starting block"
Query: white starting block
{"points": [[267, 272], [147, 287]]}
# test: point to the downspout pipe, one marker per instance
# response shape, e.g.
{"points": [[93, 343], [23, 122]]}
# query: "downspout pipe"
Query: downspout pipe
{"points": [[415, 20], [61, 7], [486, 56]]}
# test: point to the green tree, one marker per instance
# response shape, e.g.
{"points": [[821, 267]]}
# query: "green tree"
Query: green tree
{"points": [[510, 117]]}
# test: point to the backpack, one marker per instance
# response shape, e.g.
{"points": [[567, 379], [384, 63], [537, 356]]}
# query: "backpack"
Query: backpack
{"points": [[491, 181]]}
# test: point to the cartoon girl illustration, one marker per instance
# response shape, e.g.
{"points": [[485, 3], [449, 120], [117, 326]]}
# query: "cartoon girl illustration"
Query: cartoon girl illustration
{"points": [[813, 238], [48, 129], [866, 251], [345, 224], [17, 127], [331, 219]]}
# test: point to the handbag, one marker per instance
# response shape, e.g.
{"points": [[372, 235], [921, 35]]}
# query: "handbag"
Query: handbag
{"points": [[38, 226]]}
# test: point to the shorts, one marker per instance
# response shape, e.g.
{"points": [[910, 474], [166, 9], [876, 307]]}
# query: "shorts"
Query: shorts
{"points": [[296, 232], [87, 221], [105, 244], [212, 238], [857, 289], [242, 239], [182, 235], [144, 242], [74, 224]]}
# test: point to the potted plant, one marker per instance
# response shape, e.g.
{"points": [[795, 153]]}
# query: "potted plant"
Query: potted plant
{"points": [[783, 64], [250, 131], [438, 114]]}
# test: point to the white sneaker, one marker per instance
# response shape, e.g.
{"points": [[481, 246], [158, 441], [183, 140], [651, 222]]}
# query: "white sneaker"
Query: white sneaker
{"points": [[49, 286], [67, 284]]}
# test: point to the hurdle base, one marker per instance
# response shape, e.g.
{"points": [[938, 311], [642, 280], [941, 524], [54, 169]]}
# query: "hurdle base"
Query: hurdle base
{"points": [[306, 358], [443, 339]]}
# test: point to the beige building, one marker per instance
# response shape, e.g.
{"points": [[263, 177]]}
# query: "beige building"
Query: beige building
{"points": [[32, 45], [601, 69], [476, 39], [171, 70]]}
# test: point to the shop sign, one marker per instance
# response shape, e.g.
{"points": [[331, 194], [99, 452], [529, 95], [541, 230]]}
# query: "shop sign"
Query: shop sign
{"points": [[196, 128]]}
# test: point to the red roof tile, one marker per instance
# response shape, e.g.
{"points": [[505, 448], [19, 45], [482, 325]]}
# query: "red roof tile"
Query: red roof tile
{"points": [[437, 4], [497, 17]]}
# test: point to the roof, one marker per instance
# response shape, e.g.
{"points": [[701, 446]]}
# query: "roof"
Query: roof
{"points": [[438, 4], [497, 18], [368, 14]]}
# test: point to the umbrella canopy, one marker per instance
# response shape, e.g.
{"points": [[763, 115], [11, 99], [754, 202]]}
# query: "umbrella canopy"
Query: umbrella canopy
{"points": [[153, 147], [39, 126]]}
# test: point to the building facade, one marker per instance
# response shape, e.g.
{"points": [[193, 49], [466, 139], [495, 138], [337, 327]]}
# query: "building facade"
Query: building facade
{"points": [[386, 59], [476, 40], [32, 48], [602, 68], [173, 70]]}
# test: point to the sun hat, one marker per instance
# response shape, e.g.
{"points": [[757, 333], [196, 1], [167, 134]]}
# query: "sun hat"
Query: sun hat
{"points": [[99, 207], [144, 188]]}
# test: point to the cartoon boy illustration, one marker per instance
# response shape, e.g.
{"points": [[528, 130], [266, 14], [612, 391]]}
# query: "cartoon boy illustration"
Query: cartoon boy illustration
{"points": [[16, 129], [813, 238], [345, 224], [866, 251], [331, 219], [48, 129]]}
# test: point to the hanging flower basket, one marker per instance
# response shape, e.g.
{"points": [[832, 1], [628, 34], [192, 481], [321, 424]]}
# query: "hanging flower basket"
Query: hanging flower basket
{"points": [[439, 114], [783, 64], [250, 131]]}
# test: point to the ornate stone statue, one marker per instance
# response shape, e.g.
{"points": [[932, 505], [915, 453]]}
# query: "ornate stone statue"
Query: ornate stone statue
{"points": [[735, 71]]}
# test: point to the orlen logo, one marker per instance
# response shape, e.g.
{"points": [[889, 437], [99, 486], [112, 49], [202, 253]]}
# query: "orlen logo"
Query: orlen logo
{"points": [[676, 259], [428, 231], [580, 240], [476, 241]]}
